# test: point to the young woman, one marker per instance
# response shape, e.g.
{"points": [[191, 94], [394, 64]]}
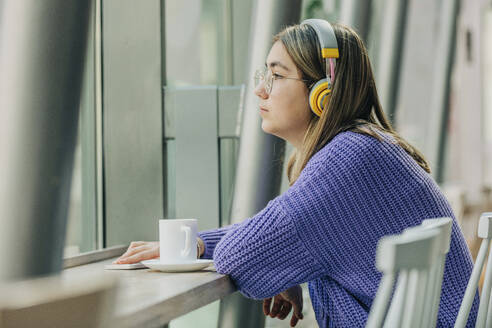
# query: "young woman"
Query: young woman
{"points": [[353, 180]]}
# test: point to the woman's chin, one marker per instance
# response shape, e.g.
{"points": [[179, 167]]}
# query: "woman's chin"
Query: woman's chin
{"points": [[266, 127], [270, 130]]}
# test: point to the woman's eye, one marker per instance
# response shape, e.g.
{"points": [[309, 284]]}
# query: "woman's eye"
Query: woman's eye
{"points": [[277, 76]]}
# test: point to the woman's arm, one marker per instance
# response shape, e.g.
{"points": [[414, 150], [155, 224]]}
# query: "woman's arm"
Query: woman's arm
{"points": [[264, 255], [211, 237]]}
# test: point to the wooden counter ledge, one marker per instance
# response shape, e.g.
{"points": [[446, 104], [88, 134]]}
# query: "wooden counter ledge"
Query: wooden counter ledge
{"points": [[147, 298]]}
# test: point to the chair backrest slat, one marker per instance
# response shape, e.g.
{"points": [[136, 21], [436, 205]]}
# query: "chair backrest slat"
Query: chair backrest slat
{"points": [[433, 294], [431, 316], [484, 318], [431, 299], [489, 315], [415, 308], [395, 312], [381, 301], [471, 288], [485, 297]]}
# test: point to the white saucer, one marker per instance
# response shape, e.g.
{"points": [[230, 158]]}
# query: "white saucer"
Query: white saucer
{"points": [[177, 267]]}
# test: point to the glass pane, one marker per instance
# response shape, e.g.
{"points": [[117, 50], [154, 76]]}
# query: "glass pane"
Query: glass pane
{"points": [[228, 156], [74, 225], [206, 316], [81, 225], [200, 52]]}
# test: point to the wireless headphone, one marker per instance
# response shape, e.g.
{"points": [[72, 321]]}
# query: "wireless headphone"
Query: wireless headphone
{"points": [[329, 51]]}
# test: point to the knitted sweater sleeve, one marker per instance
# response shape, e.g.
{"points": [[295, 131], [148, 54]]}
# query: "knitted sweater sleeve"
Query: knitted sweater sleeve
{"points": [[264, 255], [212, 237]]}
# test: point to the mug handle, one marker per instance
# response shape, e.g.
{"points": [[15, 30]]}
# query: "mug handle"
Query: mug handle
{"points": [[186, 251]]}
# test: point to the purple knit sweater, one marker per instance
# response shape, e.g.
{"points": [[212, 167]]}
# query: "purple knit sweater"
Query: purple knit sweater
{"points": [[324, 230]]}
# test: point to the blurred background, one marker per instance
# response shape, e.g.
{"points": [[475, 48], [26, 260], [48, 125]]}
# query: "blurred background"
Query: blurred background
{"points": [[161, 93]]}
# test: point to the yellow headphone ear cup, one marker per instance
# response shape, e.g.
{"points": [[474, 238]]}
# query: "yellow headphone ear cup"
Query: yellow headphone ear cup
{"points": [[318, 96], [323, 98]]}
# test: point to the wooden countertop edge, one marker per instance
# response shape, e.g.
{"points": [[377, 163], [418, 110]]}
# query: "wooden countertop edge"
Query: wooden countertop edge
{"points": [[94, 256], [163, 312]]}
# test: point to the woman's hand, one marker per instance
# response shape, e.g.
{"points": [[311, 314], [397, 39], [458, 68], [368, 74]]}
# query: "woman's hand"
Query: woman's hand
{"points": [[139, 251], [283, 303], [146, 250]]}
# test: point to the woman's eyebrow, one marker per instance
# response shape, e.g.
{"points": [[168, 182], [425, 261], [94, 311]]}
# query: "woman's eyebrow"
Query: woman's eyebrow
{"points": [[277, 63]]}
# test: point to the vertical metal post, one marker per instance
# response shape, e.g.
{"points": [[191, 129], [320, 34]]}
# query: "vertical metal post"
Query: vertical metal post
{"points": [[98, 94], [389, 51], [87, 138], [439, 108], [259, 168], [42, 50]]}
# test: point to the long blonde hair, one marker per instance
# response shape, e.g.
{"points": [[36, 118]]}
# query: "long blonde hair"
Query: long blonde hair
{"points": [[354, 103]]}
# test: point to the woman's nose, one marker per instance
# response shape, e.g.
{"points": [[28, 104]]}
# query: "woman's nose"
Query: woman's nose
{"points": [[260, 91]]}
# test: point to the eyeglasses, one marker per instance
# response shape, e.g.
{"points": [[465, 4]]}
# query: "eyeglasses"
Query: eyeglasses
{"points": [[265, 76]]}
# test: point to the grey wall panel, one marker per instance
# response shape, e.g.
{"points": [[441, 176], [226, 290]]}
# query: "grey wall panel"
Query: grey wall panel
{"points": [[229, 126], [228, 98], [197, 167], [227, 102], [132, 119]]}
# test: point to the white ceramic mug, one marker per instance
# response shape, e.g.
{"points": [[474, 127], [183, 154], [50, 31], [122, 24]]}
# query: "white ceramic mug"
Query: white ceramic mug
{"points": [[177, 240]]}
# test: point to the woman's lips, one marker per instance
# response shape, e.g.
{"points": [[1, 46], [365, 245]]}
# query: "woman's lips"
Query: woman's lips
{"points": [[263, 109]]}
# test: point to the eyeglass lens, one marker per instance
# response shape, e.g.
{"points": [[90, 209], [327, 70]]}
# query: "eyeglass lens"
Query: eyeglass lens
{"points": [[265, 76]]}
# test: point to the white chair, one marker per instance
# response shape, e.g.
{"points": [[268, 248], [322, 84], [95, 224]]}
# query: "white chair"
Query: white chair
{"points": [[410, 258], [56, 302], [484, 318], [432, 295]]}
